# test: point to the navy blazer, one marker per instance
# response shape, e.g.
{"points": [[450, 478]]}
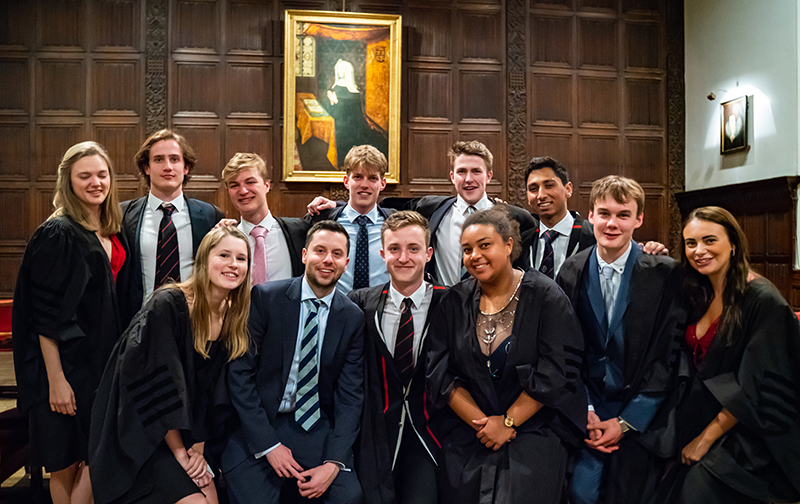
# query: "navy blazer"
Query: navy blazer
{"points": [[258, 379], [581, 238], [434, 208], [295, 230], [130, 287]]}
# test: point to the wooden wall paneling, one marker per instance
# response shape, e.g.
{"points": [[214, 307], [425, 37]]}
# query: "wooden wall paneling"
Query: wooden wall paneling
{"points": [[645, 102], [429, 34], [598, 101], [117, 85], [645, 159], [10, 261], [249, 28], [121, 26], [249, 90], [16, 149], [556, 145], [597, 42], [204, 137], [429, 95], [598, 156], [121, 138], [551, 99], [553, 4], [16, 20], [551, 40], [62, 25], [196, 26], [52, 141], [14, 208], [598, 5], [61, 86], [489, 46], [654, 217], [427, 156], [644, 44], [480, 96], [16, 97], [196, 89], [494, 141]]}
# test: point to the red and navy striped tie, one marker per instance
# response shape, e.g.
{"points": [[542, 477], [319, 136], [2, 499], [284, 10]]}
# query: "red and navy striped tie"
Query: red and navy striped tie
{"points": [[404, 343], [548, 267], [167, 257]]}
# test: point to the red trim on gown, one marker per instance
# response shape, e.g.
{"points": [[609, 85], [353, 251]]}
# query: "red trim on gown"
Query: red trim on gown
{"points": [[117, 256]]}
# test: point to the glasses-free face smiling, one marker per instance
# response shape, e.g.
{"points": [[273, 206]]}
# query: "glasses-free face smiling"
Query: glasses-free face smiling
{"points": [[90, 179], [248, 193], [325, 259], [707, 247], [469, 176], [365, 187], [228, 263], [405, 254], [614, 223], [485, 253], [547, 195]]}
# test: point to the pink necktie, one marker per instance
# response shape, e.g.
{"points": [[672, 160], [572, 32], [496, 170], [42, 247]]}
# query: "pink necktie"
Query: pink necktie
{"points": [[259, 234]]}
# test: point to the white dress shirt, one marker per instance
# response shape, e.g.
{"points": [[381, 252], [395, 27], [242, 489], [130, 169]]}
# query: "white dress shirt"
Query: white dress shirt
{"points": [[616, 278], [377, 268], [279, 260], [420, 302], [148, 239], [560, 244], [448, 240]]}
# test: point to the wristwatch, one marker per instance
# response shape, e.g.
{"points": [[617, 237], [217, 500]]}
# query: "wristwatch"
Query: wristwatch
{"points": [[625, 426], [508, 421]]}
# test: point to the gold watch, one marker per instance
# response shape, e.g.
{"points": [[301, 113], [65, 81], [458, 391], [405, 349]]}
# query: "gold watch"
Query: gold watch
{"points": [[508, 421]]}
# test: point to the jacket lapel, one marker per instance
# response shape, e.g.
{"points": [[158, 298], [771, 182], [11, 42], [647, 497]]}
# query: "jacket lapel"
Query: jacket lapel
{"points": [[623, 299], [195, 216], [575, 234], [290, 324], [595, 291], [333, 333]]}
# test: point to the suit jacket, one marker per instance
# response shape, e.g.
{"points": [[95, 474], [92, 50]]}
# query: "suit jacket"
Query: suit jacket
{"points": [[434, 208], [295, 230], [643, 337], [386, 404], [258, 379], [203, 217], [581, 238], [336, 212]]}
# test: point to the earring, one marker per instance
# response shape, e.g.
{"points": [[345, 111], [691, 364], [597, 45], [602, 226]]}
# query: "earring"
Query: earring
{"points": [[733, 252]]}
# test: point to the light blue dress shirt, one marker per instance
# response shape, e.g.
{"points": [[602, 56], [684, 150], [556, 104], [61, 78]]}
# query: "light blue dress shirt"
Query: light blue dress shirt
{"points": [[377, 268]]}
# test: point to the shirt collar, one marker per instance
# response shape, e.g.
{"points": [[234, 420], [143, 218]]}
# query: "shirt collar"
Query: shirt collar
{"points": [[179, 203], [416, 297], [267, 222], [619, 264], [306, 293], [461, 206], [351, 214], [563, 227]]}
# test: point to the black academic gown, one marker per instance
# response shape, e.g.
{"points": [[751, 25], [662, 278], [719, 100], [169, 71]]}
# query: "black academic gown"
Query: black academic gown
{"points": [[757, 379], [149, 388], [544, 362], [65, 291]]}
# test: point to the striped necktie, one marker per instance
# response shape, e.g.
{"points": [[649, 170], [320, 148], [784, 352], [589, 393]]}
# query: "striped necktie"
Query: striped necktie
{"points": [[548, 261], [167, 256], [361, 268], [404, 343], [306, 412]]}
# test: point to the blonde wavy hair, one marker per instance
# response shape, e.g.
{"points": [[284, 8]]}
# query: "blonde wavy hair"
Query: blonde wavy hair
{"points": [[67, 203], [234, 333]]}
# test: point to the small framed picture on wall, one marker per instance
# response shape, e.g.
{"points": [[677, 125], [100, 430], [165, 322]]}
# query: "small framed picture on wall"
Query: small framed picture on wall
{"points": [[733, 117]]}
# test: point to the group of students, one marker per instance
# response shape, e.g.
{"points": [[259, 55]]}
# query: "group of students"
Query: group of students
{"points": [[458, 351]]}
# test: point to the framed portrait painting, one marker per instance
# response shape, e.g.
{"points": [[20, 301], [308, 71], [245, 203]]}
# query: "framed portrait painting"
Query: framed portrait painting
{"points": [[733, 126], [341, 89]]}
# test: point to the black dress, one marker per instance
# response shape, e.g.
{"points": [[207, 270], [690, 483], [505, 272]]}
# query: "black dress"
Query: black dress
{"points": [[65, 291], [757, 379], [543, 360], [155, 382]]}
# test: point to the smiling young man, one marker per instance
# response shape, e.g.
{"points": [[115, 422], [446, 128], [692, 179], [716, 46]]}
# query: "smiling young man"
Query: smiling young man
{"points": [[365, 178], [299, 394], [276, 243], [629, 307], [164, 228], [397, 450]]}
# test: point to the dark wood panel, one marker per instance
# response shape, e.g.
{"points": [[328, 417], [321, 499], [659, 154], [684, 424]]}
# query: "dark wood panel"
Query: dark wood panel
{"points": [[496, 144], [256, 139], [44, 208], [557, 4], [429, 34], [653, 6], [15, 146], [121, 142], [9, 266], [427, 154], [755, 227], [249, 27], [196, 25], [16, 85], [645, 102], [249, 88], [61, 86], [117, 86], [479, 98], [14, 206], [644, 47], [557, 146], [429, 94], [597, 100], [551, 39], [645, 160], [205, 139], [598, 157], [16, 20], [487, 46], [780, 226], [117, 25], [654, 219], [552, 98], [608, 5], [598, 42], [52, 141], [290, 204], [62, 24], [196, 87]]}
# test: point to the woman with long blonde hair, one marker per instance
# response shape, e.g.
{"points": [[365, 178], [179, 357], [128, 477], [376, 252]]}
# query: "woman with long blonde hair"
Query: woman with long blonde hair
{"points": [[65, 319], [158, 402]]}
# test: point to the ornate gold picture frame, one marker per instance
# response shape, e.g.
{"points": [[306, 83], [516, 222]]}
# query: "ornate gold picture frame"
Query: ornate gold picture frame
{"points": [[341, 88]]}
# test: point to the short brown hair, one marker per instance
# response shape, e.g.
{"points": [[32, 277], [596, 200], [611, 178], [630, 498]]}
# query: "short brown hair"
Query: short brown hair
{"points": [[622, 189], [242, 161], [405, 218], [328, 225], [500, 219], [366, 156], [142, 157], [471, 148]]}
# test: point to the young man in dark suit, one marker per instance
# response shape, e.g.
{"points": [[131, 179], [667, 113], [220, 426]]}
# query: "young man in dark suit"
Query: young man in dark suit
{"points": [[276, 243], [397, 450], [365, 178], [165, 227], [299, 393], [628, 304]]}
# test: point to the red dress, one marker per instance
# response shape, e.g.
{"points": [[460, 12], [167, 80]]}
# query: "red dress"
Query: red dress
{"points": [[117, 256], [699, 346]]}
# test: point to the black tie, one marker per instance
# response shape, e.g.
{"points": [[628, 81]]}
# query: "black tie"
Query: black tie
{"points": [[361, 270], [547, 267], [404, 343], [167, 257]]}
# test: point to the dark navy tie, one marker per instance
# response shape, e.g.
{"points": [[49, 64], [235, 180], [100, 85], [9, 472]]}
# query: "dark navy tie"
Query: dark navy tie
{"points": [[361, 269], [404, 343], [548, 265]]}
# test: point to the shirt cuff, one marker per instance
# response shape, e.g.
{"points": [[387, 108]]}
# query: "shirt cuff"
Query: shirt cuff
{"points": [[264, 453], [342, 467], [591, 408]]}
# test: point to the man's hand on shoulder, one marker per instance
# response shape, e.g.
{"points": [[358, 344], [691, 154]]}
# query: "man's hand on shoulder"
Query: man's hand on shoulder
{"points": [[654, 248], [315, 481], [226, 222], [319, 204]]}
